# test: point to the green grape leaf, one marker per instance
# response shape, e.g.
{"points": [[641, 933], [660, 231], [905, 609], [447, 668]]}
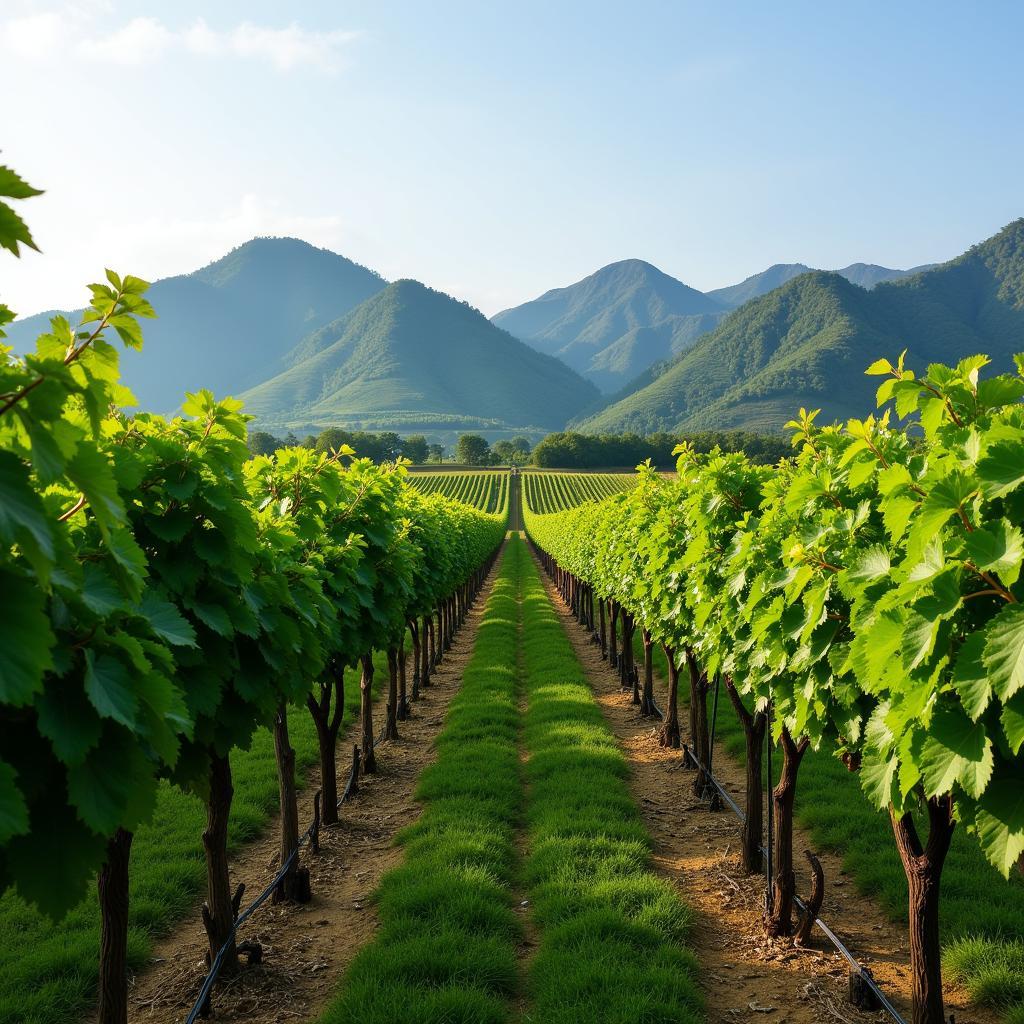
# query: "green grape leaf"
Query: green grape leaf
{"points": [[167, 622], [970, 676], [1002, 468], [54, 863], [999, 823], [999, 548], [1012, 720], [1004, 651], [108, 685], [67, 720], [114, 787], [20, 507], [955, 750], [99, 593], [26, 640]]}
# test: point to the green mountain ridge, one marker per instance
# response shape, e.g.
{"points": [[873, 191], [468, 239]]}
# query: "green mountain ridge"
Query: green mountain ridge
{"points": [[627, 317], [808, 342], [613, 324], [410, 353], [229, 325]]}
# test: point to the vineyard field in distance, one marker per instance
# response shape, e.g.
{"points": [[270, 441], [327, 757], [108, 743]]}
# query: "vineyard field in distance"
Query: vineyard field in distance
{"points": [[486, 490], [555, 491]]}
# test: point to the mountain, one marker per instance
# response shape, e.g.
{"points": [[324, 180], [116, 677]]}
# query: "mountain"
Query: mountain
{"points": [[229, 325], [615, 323], [809, 341], [410, 355], [867, 275]]}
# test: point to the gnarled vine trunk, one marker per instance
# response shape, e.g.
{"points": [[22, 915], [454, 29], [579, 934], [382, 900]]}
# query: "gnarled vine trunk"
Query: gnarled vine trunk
{"points": [[613, 649], [604, 630], [327, 719], [700, 741], [923, 868], [780, 920], [366, 713], [220, 908], [669, 735], [647, 708], [294, 885], [414, 632], [754, 726], [403, 697], [391, 717], [113, 897]]}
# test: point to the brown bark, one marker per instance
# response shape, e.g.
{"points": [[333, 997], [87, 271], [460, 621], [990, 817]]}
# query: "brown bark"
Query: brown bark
{"points": [[700, 741], [391, 719], [669, 735], [613, 640], [113, 898], [220, 908], [812, 908], [604, 629], [753, 733], [403, 698], [327, 720], [425, 651], [294, 885], [780, 920], [366, 713], [923, 867], [647, 698], [414, 632]]}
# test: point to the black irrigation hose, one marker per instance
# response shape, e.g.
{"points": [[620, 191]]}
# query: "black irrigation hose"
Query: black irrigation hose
{"points": [[840, 948], [200, 1007]]}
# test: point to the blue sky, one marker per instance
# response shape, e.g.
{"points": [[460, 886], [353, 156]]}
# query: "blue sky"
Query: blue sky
{"points": [[497, 150]]}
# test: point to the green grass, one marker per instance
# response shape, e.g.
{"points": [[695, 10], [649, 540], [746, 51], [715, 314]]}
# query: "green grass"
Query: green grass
{"points": [[49, 973], [613, 934], [981, 914], [446, 948]]}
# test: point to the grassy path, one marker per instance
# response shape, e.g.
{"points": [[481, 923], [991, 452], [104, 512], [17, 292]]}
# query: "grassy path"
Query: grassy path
{"points": [[612, 933], [607, 935], [49, 971]]}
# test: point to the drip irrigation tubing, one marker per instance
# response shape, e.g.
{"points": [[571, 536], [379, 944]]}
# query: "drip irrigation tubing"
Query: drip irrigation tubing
{"points": [[837, 943], [200, 1008]]}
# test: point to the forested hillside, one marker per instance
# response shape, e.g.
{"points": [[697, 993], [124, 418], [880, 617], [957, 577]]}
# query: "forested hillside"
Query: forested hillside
{"points": [[414, 355], [807, 343], [227, 326]]}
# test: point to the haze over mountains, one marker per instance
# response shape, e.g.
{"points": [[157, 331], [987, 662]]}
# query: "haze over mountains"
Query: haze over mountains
{"points": [[310, 339], [626, 317]]}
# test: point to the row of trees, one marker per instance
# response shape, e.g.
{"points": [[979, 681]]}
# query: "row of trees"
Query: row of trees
{"points": [[863, 597], [163, 595], [383, 447], [569, 450]]}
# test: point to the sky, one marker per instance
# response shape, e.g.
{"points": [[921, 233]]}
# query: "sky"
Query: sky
{"points": [[496, 150]]}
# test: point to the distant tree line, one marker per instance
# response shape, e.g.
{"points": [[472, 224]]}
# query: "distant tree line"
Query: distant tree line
{"points": [[383, 447], [568, 450]]}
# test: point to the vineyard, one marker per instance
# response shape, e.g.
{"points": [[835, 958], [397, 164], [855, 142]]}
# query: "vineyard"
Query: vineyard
{"points": [[545, 492], [487, 491], [862, 601], [300, 736]]}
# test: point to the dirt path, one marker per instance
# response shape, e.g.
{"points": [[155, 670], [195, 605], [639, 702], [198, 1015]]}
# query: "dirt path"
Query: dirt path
{"points": [[307, 948], [746, 976]]}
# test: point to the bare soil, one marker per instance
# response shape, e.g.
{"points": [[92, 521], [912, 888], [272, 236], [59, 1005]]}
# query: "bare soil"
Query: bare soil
{"points": [[306, 948], [745, 975]]}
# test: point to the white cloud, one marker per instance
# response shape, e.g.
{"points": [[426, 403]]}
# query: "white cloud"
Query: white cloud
{"points": [[285, 48], [140, 41], [73, 30]]}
